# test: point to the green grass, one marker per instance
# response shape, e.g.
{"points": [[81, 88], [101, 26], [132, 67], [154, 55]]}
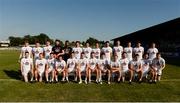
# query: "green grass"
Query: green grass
{"points": [[14, 89]]}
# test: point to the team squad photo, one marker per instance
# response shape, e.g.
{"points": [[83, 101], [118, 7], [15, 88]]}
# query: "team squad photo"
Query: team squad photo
{"points": [[53, 64]]}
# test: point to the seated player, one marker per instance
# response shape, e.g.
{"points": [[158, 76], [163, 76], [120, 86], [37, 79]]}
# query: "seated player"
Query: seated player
{"points": [[92, 68], [41, 65], [71, 67], [136, 67], [158, 64], [26, 66], [115, 67], [50, 68], [60, 66], [82, 67], [145, 65], [125, 67], [103, 67]]}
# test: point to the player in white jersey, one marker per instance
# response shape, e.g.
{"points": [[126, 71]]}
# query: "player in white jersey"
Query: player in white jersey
{"points": [[25, 48], [118, 49], [107, 50], [37, 50], [158, 64], [60, 66], [82, 66], [47, 50], [71, 66], [152, 51], [87, 50], [136, 66], [77, 50], [50, 68], [138, 50], [115, 67], [125, 67], [26, 66], [92, 68], [103, 67], [97, 51], [145, 65], [41, 65], [129, 51]]}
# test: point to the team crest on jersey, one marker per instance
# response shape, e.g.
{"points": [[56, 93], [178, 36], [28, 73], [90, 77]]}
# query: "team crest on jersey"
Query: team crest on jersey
{"points": [[72, 63], [129, 51], [40, 64], [158, 63], [92, 63], [77, 52], [118, 50], [26, 63], [97, 52], [107, 51], [153, 52], [82, 63], [86, 52], [57, 50], [37, 52], [124, 63], [48, 50], [139, 51]]}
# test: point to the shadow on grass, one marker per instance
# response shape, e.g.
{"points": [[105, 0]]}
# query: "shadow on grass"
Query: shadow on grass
{"points": [[13, 74]]}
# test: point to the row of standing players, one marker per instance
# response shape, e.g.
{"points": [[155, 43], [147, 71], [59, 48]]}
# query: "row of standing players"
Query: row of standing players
{"points": [[125, 62]]}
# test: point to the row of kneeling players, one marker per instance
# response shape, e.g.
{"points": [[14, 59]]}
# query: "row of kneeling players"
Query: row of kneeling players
{"points": [[52, 67]]}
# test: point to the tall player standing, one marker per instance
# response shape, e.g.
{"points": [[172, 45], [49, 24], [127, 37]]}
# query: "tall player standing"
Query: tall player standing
{"points": [[87, 50], [77, 50], [118, 49], [57, 49], [129, 51], [107, 50], [47, 50], [139, 50], [97, 51], [152, 51]]}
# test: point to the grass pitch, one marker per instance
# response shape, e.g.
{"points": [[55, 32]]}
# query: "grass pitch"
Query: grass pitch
{"points": [[13, 89]]}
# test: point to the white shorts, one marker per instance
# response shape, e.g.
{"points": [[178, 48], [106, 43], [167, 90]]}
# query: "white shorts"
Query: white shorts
{"points": [[82, 69], [92, 67], [71, 70], [59, 70], [50, 69], [25, 72], [40, 72], [124, 71], [158, 71]]}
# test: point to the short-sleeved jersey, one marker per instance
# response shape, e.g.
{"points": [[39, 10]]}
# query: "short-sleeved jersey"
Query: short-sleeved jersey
{"points": [[51, 63], [115, 64], [128, 51], [41, 63], [139, 51], [83, 62], [93, 62], [26, 49], [136, 64], [37, 51], [118, 50], [60, 64], [87, 51], [107, 51], [57, 49], [145, 64], [77, 51], [158, 63], [26, 63], [47, 50], [103, 62], [124, 64], [71, 62], [152, 53], [97, 52]]}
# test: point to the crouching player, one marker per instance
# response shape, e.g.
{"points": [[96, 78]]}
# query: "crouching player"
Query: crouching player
{"points": [[82, 66], [92, 68], [60, 66], [136, 67], [103, 67], [125, 68], [71, 67], [26, 66], [115, 67], [158, 64], [41, 65], [50, 68]]}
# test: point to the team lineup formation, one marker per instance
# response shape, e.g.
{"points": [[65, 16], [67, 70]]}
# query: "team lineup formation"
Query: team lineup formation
{"points": [[132, 64]]}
